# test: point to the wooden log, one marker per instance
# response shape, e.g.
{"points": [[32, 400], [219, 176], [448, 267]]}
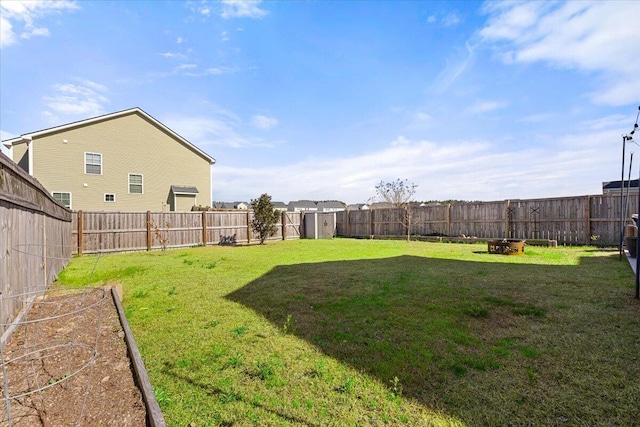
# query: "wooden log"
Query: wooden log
{"points": [[154, 414]]}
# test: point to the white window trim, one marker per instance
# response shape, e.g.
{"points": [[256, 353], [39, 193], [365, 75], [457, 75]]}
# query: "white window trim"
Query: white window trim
{"points": [[85, 163], [70, 197], [109, 194], [129, 182]]}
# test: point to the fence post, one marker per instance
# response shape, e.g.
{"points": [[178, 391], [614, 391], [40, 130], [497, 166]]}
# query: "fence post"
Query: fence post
{"points": [[587, 220], [80, 236], [284, 225], [148, 230], [248, 226], [372, 229], [507, 231], [347, 227], [302, 230], [204, 228], [449, 219]]}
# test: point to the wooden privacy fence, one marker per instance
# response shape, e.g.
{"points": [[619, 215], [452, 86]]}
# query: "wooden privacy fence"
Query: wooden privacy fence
{"points": [[35, 233], [569, 220], [98, 232]]}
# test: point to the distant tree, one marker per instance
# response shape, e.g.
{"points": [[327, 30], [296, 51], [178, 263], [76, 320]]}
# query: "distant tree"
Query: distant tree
{"points": [[399, 194], [265, 217]]}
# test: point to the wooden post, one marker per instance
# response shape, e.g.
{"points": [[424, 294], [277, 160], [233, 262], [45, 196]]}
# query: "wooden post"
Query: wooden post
{"points": [[449, 219], [248, 226], [204, 228], [284, 225], [507, 222], [302, 230], [347, 227], [80, 237], [372, 229], [587, 220], [148, 230]]}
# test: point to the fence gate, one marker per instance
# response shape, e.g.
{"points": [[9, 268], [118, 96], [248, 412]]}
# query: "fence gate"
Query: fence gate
{"points": [[293, 224]]}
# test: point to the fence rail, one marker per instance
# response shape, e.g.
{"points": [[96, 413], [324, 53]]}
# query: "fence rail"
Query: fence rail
{"points": [[95, 232], [569, 220]]}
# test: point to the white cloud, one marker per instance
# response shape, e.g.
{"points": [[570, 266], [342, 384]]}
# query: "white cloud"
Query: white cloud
{"points": [[599, 37], [263, 122], [242, 9], [467, 169], [5, 135], [482, 106], [7, 36], [86, 98], [537, 118], [193, 70], [219, 128], [24, 15], [454, 69], [180, 40], [451, 20], [171, 55]]}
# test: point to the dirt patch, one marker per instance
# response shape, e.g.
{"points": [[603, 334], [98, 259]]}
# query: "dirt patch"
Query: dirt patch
{"points": [[68, 365]]}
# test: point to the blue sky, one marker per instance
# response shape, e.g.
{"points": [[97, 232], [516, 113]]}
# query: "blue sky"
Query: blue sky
{"points": [[324, 99]]}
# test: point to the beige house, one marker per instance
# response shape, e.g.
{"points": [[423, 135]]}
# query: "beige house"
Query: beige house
{"points": [[124, 161]]}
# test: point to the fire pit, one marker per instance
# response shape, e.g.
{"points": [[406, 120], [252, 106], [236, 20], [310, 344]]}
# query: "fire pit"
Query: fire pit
{"points": [[506, 246]]}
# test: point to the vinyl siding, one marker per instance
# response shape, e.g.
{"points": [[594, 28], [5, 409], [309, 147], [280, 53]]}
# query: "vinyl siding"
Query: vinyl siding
{"points": [[21, 156], [128, 144], [184, 202]]}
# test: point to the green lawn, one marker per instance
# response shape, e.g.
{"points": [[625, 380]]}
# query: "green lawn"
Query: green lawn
{"points": [[367, 332]]}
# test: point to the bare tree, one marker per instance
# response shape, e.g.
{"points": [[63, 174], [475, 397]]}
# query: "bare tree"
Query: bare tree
{"points": [[398, 193]]}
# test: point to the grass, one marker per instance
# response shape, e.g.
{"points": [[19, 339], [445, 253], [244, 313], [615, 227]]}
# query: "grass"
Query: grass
{"points": [[360, 332]]}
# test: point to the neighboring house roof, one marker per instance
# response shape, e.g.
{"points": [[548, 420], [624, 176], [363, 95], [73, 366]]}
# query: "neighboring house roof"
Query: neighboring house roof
{"points": [[358, 207], [240, 205], [181, 189], [29, 136], [333, 205], [303, 205], [381, 205], [611, 185], [279, 205]]}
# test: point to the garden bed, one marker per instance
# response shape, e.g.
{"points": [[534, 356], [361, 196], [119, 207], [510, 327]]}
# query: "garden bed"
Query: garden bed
{"points": [[70, 368]]}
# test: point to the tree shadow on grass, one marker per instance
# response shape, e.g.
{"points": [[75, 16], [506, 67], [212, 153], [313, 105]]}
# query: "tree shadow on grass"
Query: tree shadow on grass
{"points": [[429, 322]]}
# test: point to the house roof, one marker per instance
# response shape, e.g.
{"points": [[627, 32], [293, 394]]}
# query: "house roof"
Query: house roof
{"points": [[303, 204], [358, 206], [331, 204], [181, 189], [136, 110], [618, 184]]}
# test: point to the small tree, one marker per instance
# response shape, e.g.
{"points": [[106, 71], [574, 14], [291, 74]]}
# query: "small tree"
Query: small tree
{"points": [[398, 193], [264, 217]]}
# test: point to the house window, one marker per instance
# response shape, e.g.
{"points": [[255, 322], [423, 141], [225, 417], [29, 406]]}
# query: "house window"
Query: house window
{"points": [[93, 163], [109, 197], [62, 197], [135, 183]]}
